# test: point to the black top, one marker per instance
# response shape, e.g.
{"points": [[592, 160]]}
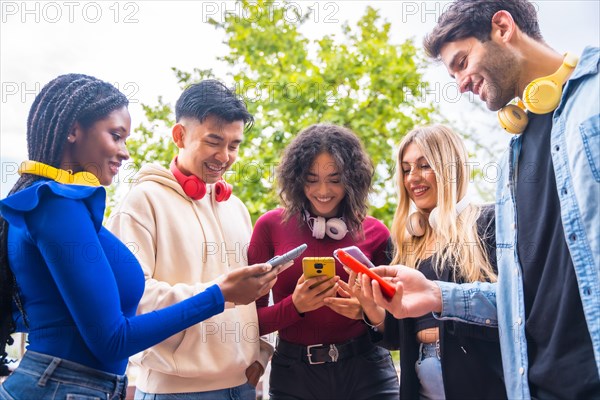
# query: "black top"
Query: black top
{"points": [[427, 321], [471, 361], [561, 358]]}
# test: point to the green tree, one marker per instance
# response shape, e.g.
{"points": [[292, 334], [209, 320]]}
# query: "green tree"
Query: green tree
{"points": [[359, 80]]}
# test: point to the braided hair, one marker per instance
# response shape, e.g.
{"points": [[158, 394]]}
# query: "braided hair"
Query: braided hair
{"points": [[61, 103]]}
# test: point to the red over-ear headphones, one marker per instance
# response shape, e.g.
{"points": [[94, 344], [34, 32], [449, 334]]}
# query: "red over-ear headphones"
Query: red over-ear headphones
{"points": [[195, 187], [223, 190]]}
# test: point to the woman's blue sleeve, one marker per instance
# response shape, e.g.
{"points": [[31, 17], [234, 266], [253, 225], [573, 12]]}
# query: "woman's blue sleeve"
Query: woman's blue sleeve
{"points": [[62, 228]]}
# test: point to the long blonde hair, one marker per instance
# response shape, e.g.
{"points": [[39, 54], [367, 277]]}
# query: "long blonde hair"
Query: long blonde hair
{"points": [[457, 240]]}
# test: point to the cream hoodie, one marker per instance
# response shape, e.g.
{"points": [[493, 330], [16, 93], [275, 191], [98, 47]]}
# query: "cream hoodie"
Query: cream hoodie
{"points": [[184, 246]]}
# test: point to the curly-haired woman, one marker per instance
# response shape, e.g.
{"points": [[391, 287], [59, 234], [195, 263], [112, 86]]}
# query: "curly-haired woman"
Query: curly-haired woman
{"points": [[324, 350]]}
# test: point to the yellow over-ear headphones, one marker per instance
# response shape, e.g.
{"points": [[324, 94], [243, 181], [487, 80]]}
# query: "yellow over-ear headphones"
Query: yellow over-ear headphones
{"points": [[541, 96], [59, 175]]}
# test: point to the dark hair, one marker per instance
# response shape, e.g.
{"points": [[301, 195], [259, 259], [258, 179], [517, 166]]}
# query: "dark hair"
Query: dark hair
{"points": [[473, 18], [355, 167], [211, 97], [60, 104]]}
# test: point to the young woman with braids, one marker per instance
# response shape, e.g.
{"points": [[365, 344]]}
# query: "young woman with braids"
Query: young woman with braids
{"points": [[65, 280], [324, 349]]}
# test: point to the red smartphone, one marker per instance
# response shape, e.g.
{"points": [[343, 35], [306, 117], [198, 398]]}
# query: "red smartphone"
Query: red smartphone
{"points": [[359, 255], [352, 263]]}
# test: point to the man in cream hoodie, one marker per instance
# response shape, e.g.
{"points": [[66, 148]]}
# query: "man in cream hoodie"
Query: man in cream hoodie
{"points": [[187, 232]]}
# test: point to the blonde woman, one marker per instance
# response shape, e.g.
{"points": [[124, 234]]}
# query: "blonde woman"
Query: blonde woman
{"points": [[439, 232]]}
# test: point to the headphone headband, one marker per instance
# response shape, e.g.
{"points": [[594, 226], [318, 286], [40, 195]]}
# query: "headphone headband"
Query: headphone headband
{"points": [[463, 204], [416, 222], [335, 228], [59, 175], [541, 96], [196, 188]]}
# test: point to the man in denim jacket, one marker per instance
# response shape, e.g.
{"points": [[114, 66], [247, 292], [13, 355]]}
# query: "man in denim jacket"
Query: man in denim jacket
{"points": [[546, 302]]}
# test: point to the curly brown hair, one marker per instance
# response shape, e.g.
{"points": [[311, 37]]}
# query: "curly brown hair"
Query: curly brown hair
{"points": [[355, 166]]}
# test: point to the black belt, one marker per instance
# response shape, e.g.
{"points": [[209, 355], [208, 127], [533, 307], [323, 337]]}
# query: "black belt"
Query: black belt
{"points": [[325, 353]]}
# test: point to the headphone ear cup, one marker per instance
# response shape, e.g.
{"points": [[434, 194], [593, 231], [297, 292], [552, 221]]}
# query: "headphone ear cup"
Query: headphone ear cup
{"points": [[336, 228], [319, 227], [542, 96], [433, 217], [192, 186], [513, 119], [223, 190], [415, 225]]}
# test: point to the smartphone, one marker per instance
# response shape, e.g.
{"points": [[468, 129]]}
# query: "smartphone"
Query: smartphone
{"points": [[284, 258], [352, 263], [358, 254], [318, 266]]}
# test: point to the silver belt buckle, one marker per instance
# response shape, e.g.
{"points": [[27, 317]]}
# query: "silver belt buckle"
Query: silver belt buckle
{"points": [[333, 353], [309, 354]]}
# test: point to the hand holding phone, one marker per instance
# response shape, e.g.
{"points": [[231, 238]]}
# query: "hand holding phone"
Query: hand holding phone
{"points": [[285, 258], [351, 262]]}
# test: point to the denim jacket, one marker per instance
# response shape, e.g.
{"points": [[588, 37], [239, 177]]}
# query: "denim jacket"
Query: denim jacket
{"points": [[575, 152]]}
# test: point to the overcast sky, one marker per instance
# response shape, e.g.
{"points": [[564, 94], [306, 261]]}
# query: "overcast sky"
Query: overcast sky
{"points": [[134, 44]]}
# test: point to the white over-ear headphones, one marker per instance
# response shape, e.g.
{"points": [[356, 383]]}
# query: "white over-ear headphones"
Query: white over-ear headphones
{"points": [[416, 223], [335, 228]]}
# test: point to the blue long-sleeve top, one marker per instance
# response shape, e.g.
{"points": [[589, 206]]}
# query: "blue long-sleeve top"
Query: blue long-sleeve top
{"points": [[80, 285]]}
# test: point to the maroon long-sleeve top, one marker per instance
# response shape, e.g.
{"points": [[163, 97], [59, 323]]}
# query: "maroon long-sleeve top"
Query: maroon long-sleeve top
{"points": [[271, 237]]}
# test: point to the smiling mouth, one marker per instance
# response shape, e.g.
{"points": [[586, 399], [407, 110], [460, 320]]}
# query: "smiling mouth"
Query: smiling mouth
{"points": [[324, 199], [214, 168], [419, 191]]}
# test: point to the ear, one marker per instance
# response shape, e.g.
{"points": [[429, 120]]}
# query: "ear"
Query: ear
{"points": [[503, 27], [177, 133], [75, 134]]}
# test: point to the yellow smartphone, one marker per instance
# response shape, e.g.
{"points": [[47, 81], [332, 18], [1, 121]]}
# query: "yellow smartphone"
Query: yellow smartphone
{"points": [[318, 266]]}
